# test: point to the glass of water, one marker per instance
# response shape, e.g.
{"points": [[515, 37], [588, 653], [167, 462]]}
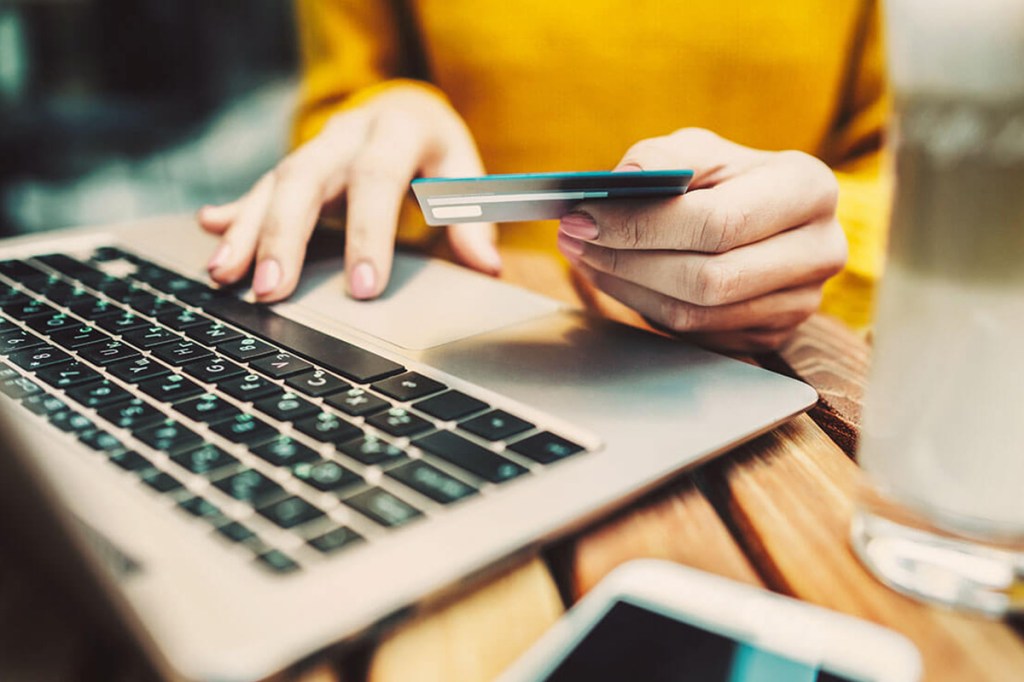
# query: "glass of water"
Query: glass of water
{"points": [[941, 516]]}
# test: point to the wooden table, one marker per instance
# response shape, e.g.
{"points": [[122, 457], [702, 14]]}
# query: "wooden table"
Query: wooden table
{"points": [[774, 512]]}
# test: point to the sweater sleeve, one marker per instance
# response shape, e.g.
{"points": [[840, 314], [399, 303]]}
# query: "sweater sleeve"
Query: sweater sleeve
{"points": [[350, 51], [856, 151]]}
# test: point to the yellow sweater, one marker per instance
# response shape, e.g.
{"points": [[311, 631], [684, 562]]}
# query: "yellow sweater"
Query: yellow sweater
{"points": [[549, 85]]}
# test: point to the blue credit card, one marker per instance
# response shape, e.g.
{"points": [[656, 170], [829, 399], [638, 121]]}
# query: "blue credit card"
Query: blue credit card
{"points": [[536, 196]]}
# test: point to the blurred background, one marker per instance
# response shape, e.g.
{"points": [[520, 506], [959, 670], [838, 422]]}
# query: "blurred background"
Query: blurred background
{"points": [[118, 109]]}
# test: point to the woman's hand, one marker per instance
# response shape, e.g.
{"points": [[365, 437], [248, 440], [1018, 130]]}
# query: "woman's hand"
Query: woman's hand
{"points": [[736, 263], [368, 155]]}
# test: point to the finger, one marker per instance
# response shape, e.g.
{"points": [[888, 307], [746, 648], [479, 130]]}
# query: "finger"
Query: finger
{"points": [[475, 244], [777, 310], [738, 196], [378, 181], [217, 219], [313, 175], [234, 254], [797, 257]]}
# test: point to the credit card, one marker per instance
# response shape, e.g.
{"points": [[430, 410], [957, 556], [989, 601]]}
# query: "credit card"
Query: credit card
{"points": [[536, 196]]}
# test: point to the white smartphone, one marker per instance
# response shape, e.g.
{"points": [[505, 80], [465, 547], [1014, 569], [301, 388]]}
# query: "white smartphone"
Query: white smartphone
{"points": [[657, 621]]}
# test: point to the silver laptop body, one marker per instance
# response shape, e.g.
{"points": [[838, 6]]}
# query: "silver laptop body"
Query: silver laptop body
{"points": [[643, 407]]}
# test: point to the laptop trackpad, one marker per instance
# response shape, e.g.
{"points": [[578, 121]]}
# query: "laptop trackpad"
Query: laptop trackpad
{"points": [[427, 303]]}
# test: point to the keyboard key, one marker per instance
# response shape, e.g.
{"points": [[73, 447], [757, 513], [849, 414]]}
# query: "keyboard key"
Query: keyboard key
{"points": [[44, 404], [78, 336], [125, 322], [160, 481], [336, 539], [277, 561], [431, 481], [470, 457], [213, 370], [26, 310], [69, 266], [171, 388], [133, 415], [236, 532], [70, 297], [180, 319], [71, 421], [202, 508], [14, 341], [371, 450], [245, 428], [249, 486], [249, 388], [19, 387], [38, 357], [9, 296], [356, 402], [208, 409], [99, 395], [18, 269], [546, 447], [325, 475], [68, 374], [450, 405], [328, 427], [316, 383], [132, 295], [131, 461], [399, 422], [138, 370], [290, 512], [280, 365], [155, 308], [47, 284], [496, 425], [180, 352], [169, 436], [102, 441], [286, 406], [212, 333], [245, 349], [383, 507], [150, 336], [175, 284], [205, 459], [49, 324], [334, 354], [108, 352], [94, 309], [285, 451], [408, 386]]}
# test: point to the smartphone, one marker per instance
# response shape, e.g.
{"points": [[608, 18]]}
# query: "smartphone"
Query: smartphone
{"points": [[658, 621], [536, 196]]}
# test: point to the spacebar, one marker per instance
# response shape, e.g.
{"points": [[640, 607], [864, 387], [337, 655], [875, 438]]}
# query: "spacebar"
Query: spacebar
{"points": [[322, 349]]}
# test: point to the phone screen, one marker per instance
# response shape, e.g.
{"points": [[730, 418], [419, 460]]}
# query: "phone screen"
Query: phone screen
{"points": [[632, 643]]}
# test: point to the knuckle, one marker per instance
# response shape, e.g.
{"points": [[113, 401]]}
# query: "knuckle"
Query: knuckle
{"points": [[680, 316], [716, 283], [374, 169], [692, 135], [723, 228]]}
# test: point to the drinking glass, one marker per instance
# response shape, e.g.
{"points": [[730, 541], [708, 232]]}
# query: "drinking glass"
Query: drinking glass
{"points": [[941, 514]]}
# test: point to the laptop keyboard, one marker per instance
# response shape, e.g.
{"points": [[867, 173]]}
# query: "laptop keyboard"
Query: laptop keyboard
{"points": [[289, 444]]}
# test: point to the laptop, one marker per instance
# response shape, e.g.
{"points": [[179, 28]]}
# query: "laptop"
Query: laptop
{"points": [[248, 486]]}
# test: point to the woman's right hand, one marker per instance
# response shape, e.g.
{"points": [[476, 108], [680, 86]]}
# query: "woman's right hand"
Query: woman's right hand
{"points": [[368, 155]]}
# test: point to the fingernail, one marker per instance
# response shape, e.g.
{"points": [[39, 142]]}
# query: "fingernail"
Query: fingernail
{"points": [[266, 277], [492, 261], [579, 224], [363, 281], [571, 248], [220, 256]]}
